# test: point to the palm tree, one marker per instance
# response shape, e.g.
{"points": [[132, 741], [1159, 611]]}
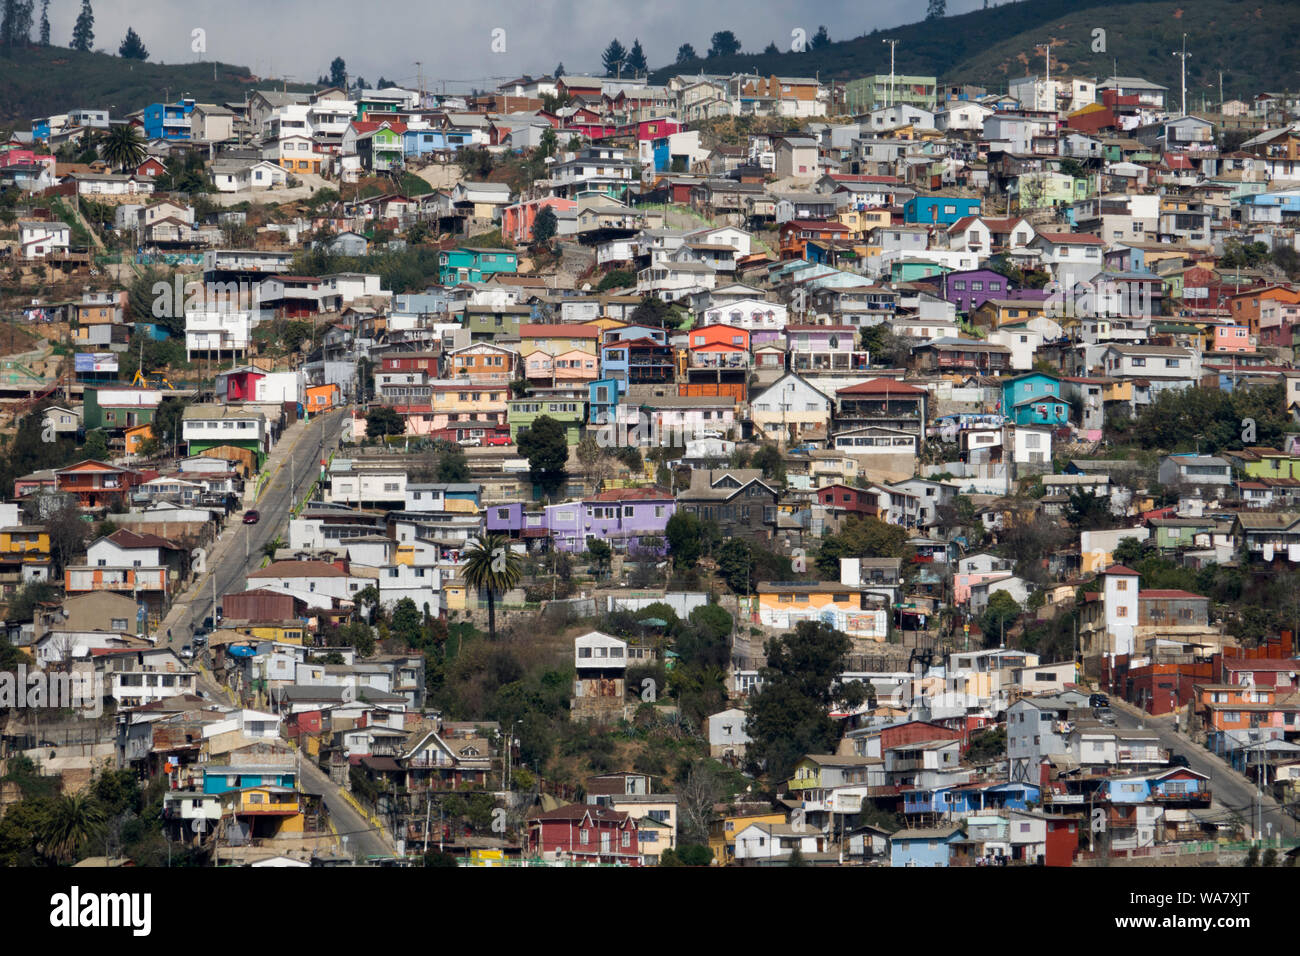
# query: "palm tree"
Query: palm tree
{"points": [[73, 821], [491, 565], [123, 147], [272, 546]]}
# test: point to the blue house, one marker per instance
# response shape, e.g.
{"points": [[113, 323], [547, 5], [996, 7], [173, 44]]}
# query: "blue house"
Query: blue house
{"points": [[421, 142], [924, 210], [224, 778], [923, 847], [470, 264], [602, 402], [1035, 399], [170, 121]]}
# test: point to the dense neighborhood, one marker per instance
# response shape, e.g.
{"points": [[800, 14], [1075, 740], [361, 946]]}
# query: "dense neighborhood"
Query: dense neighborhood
{"points": [[741, 470]]}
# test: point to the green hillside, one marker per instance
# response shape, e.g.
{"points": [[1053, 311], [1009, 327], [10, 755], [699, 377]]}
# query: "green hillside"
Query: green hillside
{"points": [[38, 81], [1253, 42]]}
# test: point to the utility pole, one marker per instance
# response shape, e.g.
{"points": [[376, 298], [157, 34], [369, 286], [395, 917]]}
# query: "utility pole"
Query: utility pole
{"points": [[1182, 57], [892, 44]]}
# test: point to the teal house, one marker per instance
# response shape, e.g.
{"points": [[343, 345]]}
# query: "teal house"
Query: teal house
{"points": [[469, 264], [1035, 399]]}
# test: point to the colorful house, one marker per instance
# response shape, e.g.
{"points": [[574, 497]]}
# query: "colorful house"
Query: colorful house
{"points": [[939, 209], [584, 833], [471, 264], [1035, 399], [622, 517], [923, 847], [522, 412], [97, 484], [322, 398]]}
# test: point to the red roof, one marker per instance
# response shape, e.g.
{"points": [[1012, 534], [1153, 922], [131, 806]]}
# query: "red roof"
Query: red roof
{"points": [[881, 386], [1161, 594], [369, 126], [1264, 664], [1120, 569], [298, 569], [129, 539]]}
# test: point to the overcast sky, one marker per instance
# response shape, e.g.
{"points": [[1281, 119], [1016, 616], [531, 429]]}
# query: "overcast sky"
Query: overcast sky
{"points": [[297, 40]]}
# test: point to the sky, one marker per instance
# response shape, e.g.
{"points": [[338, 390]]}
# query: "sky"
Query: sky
{"points": [[294, 40]]}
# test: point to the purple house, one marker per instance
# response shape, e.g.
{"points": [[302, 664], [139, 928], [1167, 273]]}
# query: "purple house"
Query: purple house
{"points": [[970, 289], [621, 516], [513, 521]]}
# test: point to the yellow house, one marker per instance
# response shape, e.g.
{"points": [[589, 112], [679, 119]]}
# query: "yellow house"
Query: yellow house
{"points": [[722, 832], [29, 542], [284, 632], [606, 324], [994, 313], [269, 811], [783, 605]]}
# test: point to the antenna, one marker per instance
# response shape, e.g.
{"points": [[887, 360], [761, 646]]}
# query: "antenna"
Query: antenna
{"points": [[1182, 56]]}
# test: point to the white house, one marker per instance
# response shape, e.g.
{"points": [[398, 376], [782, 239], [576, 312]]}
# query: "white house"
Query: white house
{"points": [[727, 737], [38, 239], [789, 408]]}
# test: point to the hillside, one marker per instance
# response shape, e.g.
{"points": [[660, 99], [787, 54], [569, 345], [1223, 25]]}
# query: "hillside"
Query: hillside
{"points": [[39, 81], [1252, 42]]}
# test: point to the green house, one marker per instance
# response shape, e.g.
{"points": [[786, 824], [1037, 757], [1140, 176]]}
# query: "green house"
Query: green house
{"points": [[1174, 534], [205, 427], [570, 413], [117, 407], [470, 264], [487, 323]]}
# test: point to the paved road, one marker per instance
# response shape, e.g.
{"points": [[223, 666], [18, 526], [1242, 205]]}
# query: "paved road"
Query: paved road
{"points": [[1231, 790], [239, 549], [363, 839]]}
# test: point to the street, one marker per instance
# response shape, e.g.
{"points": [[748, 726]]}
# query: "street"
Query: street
{"points": [[1231, 791], [239, 549]]}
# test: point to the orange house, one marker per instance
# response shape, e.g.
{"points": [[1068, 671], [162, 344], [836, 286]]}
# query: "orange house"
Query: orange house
{"points": [[1245, 306], [321, 398], [97, 484], [135, 437], [1243, 707]]}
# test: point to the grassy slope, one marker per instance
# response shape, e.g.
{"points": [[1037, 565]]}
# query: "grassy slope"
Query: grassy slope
{"points": [[39, 81], [1252, 41]]}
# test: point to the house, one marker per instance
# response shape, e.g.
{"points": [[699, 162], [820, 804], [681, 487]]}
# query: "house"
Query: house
{"points": [[39, 238], [740, 501], [762, 840], [96, 484], [1207, 473], [474, 265], [923, 847], [790, 409], [1035, 399], [619, 516], [945, 210]]}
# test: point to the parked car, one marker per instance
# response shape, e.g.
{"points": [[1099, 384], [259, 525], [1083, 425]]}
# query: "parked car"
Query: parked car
{"points": [[498, 440], [252, 517], [1177, 760], [187, 653], [1098, 700], [207, 623], [470, 442], [200, 639]]}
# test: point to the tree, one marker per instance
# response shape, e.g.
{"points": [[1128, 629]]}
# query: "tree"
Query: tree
{"points": [[73, 821], [45, 22], [83, 32], [545, 444], [491, 565], [636, 59], [1089, 511], [16, 25], [790, 715], [600, 553], [683, 534], [339, 73], [820, 39], [383, 421], [96, 446], [686, 52], [545, 226], [768, 458], [67, 533], [860, 537], [453, 466], [613, 58], [123, 147], [723, 43], [936, 9], [132, 47], [559, 70], [1129, 551], [1001, 611], [167, 421]]}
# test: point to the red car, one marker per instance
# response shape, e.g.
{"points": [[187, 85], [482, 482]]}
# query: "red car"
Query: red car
{"points": [[497, 440], [251, 517]]}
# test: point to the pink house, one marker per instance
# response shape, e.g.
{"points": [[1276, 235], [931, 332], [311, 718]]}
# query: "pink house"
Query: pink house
{"points": [[1232, 338], [962, 583]]}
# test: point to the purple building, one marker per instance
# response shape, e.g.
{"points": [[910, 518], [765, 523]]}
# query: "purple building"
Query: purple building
{"points": [[513, 521], [970, 289], [621, 517]]}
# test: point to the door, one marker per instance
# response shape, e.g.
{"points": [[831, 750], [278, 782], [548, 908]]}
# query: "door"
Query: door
{"points": [[604, 843]]}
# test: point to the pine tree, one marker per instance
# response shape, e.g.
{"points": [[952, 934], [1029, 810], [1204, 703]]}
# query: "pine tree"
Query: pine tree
{"points": [[45, 22], [132, 47], [636, 63], [820, 39], [559, 70], [338, 73], [686, 52], [936, 10], [613, 58], [16, 28], [83, 33]]}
